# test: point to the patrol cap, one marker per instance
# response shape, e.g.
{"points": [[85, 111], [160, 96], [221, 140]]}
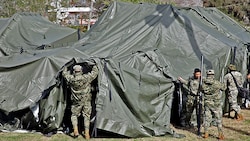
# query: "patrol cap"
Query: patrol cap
{"points": [[77, 68], [210, 72], [232, 67]]}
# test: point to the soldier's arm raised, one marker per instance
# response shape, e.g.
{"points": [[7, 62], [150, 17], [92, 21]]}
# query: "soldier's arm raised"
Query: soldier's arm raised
{"points": [[93, 74], [66, 74]]}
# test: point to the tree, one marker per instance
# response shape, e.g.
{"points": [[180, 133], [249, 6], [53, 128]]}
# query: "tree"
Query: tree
{"points": [[10, 7], [238, 9]]}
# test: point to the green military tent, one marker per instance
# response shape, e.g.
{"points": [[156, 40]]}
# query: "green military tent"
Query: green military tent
{"points": [[140, 50], [31, 31]]}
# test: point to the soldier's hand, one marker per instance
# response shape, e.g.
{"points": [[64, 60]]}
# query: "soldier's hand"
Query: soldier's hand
{"points": [[181, 79], [65, 68], [90, 62]]}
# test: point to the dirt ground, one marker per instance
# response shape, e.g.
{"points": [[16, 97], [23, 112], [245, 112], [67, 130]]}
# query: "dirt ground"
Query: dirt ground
{"points": [[233, 130]]}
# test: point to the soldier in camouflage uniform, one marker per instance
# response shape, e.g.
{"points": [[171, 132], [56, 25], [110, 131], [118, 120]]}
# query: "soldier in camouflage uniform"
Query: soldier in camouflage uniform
{"points": [[211, 89], [246, 84], [192, 85], [232, 91], [80, 95]]}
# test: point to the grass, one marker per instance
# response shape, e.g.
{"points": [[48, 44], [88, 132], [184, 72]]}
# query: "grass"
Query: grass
{"points": [[233, 131]]}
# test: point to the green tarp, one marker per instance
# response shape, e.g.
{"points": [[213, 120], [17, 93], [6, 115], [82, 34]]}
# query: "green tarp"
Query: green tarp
{"points": [[140, 50], [29, 31]]}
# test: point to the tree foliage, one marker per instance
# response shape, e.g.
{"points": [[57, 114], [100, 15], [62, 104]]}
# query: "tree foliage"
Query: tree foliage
{"points": [[10, 7], [239, 9]]}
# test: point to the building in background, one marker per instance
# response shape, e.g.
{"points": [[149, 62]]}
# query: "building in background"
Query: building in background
{"points": [[75, 13]]}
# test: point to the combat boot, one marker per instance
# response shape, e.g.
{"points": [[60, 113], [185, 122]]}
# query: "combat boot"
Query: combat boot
{"points": [[239, 117], [205, 135], [221, 136], [87, 136], [76, 133]]}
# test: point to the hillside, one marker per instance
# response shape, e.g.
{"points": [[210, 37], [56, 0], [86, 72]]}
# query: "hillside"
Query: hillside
{"points": [[237, 9]]}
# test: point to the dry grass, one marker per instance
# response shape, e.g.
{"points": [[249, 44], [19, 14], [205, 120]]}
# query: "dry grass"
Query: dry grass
{"points": [[233, 130]]}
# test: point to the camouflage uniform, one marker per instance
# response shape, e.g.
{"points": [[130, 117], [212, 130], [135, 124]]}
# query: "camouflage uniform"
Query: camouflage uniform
{"points": [[212, 102], [189, 115], [81, 94], [245, 101], [232, 89]]}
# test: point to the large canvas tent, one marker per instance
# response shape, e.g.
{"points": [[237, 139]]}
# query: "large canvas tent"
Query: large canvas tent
{"points": [[140, 50], [31, 31]]}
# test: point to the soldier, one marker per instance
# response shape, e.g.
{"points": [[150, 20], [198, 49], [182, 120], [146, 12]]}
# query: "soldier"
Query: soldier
{"points": [[246, 84], [80, 95], [232, 91], [212, 103], [192, 85]]}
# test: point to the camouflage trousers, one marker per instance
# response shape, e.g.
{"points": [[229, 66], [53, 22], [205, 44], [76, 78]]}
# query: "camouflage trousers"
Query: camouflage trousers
{"points": [[213, 111], [83, 106], [191, 111], [233, 101]]}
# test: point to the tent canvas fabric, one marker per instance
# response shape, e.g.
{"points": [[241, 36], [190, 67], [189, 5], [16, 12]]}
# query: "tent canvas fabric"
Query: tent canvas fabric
{"points": [[31, 31], [140, 50]]}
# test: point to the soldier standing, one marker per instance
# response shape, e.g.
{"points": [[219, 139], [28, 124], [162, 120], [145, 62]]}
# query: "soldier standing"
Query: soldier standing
{"points": [[232, 91], [246, 84], [80, 95], [192, 85], [212, 103]]}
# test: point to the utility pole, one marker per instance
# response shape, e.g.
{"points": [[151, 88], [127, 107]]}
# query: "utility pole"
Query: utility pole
{"points": [[90, 13], [46, 9]]}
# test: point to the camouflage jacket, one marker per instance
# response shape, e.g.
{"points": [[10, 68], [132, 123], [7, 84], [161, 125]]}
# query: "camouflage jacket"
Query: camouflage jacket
{"points": [[211, 89], [192, 85], [80, 83], [229, 81]]}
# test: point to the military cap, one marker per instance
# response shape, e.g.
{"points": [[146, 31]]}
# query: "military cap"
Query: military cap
{"points": [[210, 72], [77, 68], [232, 67]]}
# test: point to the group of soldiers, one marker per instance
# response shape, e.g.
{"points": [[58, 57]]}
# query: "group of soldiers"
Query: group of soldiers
{"points": [[211, 89], [212, 102]]}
